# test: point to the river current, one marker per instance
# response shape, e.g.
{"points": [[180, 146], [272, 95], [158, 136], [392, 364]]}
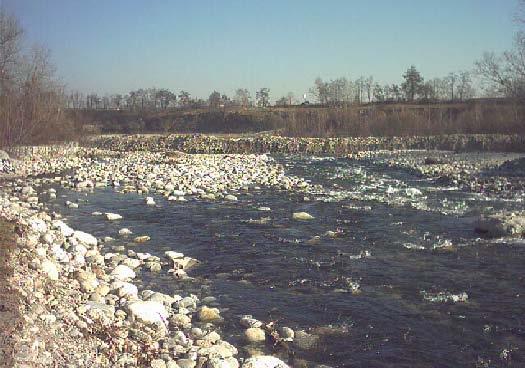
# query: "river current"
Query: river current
{"points": [[389, 273]]}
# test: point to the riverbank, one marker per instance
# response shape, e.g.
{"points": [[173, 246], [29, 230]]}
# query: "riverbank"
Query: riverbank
{"points": [[79, 303], [308, 146]]}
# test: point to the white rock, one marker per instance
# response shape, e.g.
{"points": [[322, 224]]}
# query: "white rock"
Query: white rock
{"points": [[122, 272], [64, 229], [264, 361], [59, 254], [150, 201], [413, 192], [78, 249], [125, 231], [132, 263], [302, 216], [85, 238], [230, 197], [126, 289], [254, 334], [248, 321], [113, 216], [173, 255], [50, 269], [148, 311], [38, 225]]}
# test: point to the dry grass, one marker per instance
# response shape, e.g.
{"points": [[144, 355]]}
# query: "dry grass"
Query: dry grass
{"points": [[475, 117]]}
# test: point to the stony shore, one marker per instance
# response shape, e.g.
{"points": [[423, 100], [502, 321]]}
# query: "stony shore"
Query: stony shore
{"points": [[79, 305], [311, 146]]}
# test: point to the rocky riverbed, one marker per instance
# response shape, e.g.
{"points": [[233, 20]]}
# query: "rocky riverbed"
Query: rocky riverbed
{"points": [[117, 298]]}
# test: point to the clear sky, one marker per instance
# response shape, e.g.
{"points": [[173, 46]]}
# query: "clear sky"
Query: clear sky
{"points": [[109, 46]]}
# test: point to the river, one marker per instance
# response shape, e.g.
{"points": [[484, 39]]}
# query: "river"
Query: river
{"points": [[389, 273]]}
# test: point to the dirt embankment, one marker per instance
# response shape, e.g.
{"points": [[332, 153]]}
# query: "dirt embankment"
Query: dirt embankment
{"points": [[10, 319]]}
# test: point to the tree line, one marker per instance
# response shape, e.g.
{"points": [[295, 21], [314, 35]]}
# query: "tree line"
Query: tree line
{"points": [[163, 98]]}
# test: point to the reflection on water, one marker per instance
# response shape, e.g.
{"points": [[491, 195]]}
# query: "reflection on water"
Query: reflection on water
{"points": [[380, 274]]}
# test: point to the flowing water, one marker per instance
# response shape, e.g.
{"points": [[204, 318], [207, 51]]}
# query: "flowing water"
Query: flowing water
{"points": [[378, 292]]}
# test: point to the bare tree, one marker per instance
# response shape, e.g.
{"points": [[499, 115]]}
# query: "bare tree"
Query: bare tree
{"points": [[214, 100], [184, 98], [451, 81], [10, 40], [242, 97], [505, 73], [464, 87]]}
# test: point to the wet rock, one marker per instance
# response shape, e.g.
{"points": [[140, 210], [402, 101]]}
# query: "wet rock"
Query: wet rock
{"points": [[125, 231], [502, 224], [141, 239], [305, 341], [254, 335], [112, 216], [248, 321], [302, 216], [206, 314], [286, 333], [173, 255], [70, 204], [150, 201]]}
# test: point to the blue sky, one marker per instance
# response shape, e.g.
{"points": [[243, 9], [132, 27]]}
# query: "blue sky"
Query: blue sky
{"points": [[109, 46]]}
